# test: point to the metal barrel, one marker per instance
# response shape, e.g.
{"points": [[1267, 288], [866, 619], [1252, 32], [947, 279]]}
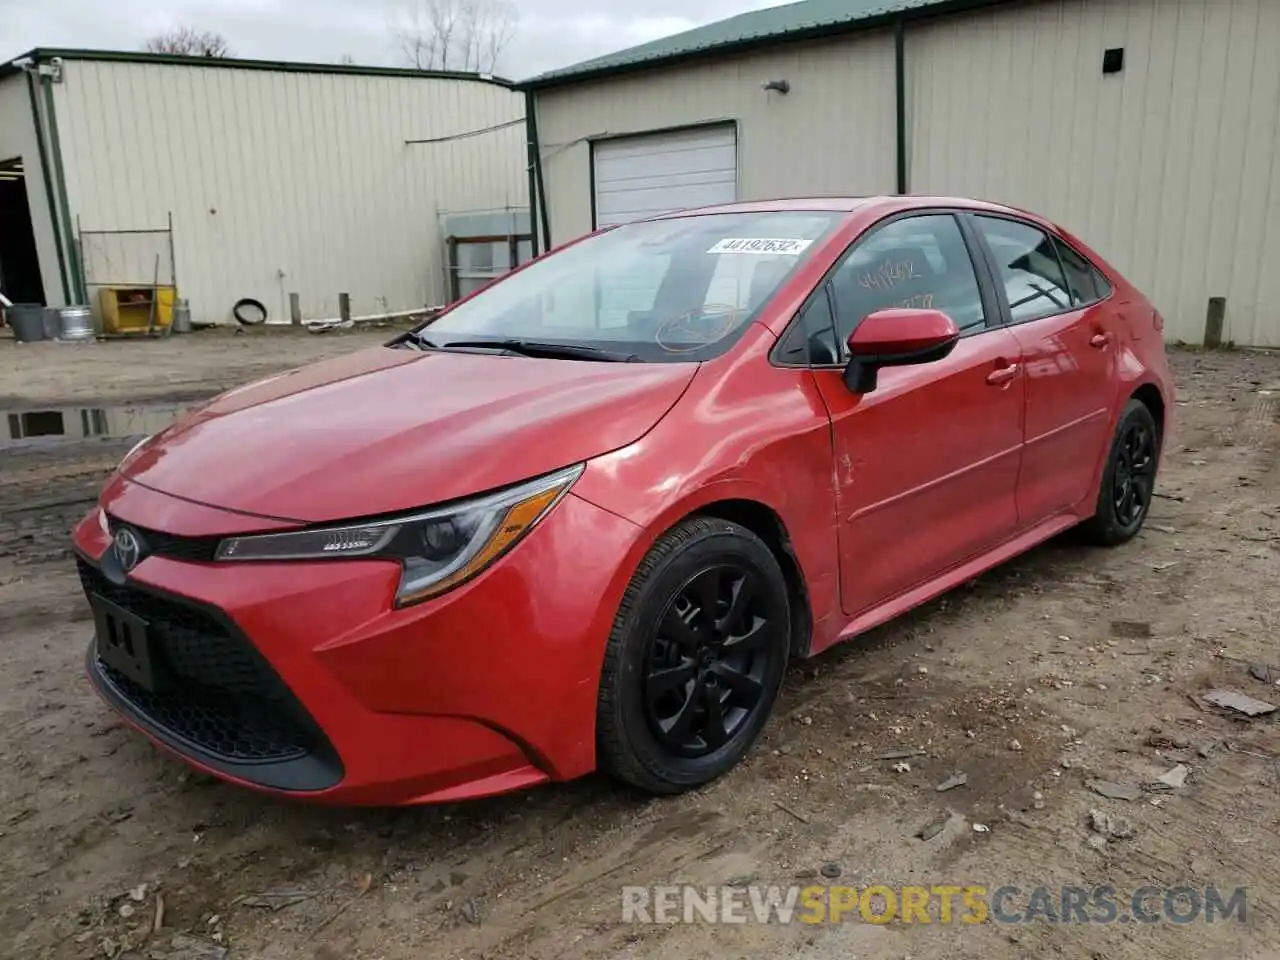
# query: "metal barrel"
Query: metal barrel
{"points": [[75, 323], [26, 320], [181, 316]]}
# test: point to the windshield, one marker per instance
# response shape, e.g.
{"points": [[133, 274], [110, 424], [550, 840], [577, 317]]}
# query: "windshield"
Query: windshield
{"points": [[657, 291]]}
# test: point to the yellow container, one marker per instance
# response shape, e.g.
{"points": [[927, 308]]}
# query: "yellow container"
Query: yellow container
{"points": [[129, 309]]}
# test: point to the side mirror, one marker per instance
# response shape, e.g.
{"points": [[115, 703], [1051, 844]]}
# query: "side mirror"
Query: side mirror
{"points": [[896, 337]]}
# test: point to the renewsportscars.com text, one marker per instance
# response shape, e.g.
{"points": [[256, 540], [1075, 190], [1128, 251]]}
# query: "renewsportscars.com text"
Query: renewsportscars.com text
{"points": [[941, 904]]}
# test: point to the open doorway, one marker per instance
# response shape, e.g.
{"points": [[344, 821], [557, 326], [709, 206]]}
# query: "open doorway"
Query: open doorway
{"points": [[19, 264]]}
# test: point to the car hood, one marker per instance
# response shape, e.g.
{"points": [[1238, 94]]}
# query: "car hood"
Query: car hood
{"points": [[385, 430]]}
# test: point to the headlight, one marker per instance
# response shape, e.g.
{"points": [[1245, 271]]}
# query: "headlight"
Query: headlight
{"points": [[437, 549]]}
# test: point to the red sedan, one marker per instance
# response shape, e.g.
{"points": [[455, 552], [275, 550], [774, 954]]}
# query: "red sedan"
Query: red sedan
{"points": [[584, 518]]}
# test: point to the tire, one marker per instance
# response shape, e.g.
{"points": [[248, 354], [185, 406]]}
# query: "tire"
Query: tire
{"points": [[255, 306], [667, 665], [1128, 480]]}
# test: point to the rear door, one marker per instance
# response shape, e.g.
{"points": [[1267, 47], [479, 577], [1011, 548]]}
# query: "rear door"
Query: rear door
{"points": [[926, 464], [1068, 346]]}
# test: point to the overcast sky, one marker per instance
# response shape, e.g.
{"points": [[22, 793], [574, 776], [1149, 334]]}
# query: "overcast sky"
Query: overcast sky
{"points": [[552, 33]]}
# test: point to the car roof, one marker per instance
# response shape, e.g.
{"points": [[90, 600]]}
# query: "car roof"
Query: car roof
{"points": [[882, 205]]}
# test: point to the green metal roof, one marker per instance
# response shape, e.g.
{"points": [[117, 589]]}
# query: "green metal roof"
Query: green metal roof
{"points": [[794, 21], [45, 54]]}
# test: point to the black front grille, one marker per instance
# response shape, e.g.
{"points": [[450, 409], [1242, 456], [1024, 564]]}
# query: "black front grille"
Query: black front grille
{"points": [[214, 690], [161, 544]]}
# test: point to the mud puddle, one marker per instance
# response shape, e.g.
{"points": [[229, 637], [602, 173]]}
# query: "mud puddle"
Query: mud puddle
{"points": [[70, 424]]}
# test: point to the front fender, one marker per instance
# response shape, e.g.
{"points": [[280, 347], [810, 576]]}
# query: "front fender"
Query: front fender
{"points": [[753, 432]]}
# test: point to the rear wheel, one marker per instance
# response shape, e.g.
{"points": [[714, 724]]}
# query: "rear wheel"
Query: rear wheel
{"points": [[696, 658], [1129, 479]]}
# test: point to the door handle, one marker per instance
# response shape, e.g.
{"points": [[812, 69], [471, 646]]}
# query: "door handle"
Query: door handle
{"points": [[1100, 340], [1003, 374]]}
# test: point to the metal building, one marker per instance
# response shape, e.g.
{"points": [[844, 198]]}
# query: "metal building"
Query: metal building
{"points": [[251, 179], [1150, 127]]}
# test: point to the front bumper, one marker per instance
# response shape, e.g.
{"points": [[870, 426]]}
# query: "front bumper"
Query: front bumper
{"points": [[222, 704], [301, 678]]}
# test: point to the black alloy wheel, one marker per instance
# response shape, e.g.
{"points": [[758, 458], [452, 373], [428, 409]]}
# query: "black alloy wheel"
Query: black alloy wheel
{"points": [[707, 660], [1135, 473], [696, 657], [1128, 480]]}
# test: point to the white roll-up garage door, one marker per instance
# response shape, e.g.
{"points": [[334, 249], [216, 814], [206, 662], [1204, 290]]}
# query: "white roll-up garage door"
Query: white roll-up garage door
{"points": [[637, 177]]}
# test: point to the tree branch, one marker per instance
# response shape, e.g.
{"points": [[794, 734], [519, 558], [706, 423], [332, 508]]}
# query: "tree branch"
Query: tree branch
{"points": [[189, 42], [453, 34]]}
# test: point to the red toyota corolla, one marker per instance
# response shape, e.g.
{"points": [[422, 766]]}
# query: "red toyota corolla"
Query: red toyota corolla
{"points": [[584, 518]]}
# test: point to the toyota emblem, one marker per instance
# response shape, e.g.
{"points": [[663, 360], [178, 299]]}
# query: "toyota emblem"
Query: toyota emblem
{"points": [[128, 548]]}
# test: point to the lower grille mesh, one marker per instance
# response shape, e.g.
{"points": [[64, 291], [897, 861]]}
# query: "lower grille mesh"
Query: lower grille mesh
{"points": [[214, 691]]}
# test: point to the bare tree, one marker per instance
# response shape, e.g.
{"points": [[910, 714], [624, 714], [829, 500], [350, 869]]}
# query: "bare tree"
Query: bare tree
{"points": [[189, 42], [454, 34]]}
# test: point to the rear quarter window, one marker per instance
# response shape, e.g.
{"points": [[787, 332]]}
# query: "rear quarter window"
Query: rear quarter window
{"points": [[1101, 283], [1084, 280]]}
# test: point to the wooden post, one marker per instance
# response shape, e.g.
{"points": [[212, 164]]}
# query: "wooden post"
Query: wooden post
{"points": [[344, 307], [451, 267], [1214, 319], [295, 309]]}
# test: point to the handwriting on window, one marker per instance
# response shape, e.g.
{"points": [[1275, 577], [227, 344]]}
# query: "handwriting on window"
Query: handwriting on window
{"points": [[921, 301], [889, 274]]}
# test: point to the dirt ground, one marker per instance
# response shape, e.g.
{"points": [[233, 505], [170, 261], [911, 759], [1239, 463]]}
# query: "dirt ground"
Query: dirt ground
{"points": [[1033, 680]]}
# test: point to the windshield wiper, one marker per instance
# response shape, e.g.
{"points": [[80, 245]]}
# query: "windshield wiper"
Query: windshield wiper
{"points": [[535, 348], [411, 340]]}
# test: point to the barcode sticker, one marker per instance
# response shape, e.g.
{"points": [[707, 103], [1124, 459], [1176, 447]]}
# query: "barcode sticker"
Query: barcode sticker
{"points": [[790, 248]]}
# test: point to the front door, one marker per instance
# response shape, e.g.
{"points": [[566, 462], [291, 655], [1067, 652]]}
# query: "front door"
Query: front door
{"points": [[1069, 347], [926, 464]]}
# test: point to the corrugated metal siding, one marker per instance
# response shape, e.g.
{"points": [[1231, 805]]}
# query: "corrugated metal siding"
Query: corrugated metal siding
{"points": [[1170, 169], [832, 134], [18, 139], [284, 181]]}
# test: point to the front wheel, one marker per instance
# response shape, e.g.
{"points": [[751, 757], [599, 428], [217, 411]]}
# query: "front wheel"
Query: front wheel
{"points": [[696, 657], [1129, 479]]}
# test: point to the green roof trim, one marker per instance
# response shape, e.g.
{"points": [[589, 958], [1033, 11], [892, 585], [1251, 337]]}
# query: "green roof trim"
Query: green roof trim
{"points": [[808, 19], [45, 54]]}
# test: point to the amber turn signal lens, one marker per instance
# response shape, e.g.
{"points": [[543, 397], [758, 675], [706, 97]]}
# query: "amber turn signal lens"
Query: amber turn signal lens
{"points": [[515, 523]]}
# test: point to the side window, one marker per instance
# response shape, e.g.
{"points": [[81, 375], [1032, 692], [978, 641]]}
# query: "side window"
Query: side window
{"points": [[1085, 284], [920, 262], [1029, 268]]}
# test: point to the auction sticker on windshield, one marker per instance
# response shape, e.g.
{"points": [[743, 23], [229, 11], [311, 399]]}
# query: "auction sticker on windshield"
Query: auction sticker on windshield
{"points": [[792, 248]]}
